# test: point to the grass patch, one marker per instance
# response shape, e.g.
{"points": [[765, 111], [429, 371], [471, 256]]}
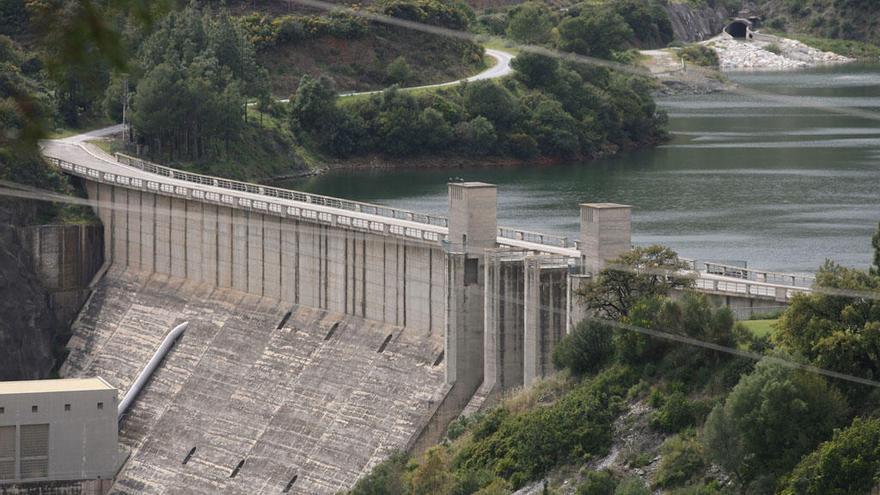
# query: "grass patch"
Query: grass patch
{"points": [[760, 328], [847, 48]]}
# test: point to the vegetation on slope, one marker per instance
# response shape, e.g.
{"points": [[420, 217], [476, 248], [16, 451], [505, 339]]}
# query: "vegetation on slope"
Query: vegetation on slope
{"points": [[359, 55], [847, 27], [731, 425]]}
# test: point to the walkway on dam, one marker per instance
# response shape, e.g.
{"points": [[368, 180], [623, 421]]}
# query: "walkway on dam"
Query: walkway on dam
{"points": [[322, 398], [75, 156]]}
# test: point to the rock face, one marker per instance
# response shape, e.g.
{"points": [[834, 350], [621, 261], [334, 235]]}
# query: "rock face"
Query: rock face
{"points": [[696, 24], [27, 323]]}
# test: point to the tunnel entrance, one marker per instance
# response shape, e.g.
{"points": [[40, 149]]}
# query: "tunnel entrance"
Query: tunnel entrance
{"points": [[739, 29]]}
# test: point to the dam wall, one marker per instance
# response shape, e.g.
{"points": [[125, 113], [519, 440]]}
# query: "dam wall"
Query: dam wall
{"points": [[311, 262], [66, 258]]}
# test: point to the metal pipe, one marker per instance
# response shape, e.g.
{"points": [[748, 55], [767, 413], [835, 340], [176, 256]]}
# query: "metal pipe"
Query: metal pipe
{"points": [[151, 366]]}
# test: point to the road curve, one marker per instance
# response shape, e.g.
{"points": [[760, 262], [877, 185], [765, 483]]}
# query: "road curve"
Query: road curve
{"points": [[500, 69]]}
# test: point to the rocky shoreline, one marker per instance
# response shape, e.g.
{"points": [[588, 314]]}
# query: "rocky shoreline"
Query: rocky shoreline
{"points": [[771, 53]]}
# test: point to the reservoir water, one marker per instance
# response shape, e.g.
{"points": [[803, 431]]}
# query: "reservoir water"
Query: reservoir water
{"points": [[782, 186]]}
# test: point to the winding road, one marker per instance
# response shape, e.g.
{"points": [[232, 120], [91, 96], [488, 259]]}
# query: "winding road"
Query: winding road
{"points": [[500, 69]]}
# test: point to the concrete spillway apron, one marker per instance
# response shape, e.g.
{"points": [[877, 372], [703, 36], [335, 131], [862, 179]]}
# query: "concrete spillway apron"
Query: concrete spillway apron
{"points": [[151, 366]]}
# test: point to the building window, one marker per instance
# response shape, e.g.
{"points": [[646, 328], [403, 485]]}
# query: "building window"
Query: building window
{"points": [[100, 405], [7, 452], [2, 410], [471, 271], [34, 409], [67, 407], [34, 441]]}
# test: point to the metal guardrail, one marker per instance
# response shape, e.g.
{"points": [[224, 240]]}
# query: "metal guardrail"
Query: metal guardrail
{"points": [[274, 192], [266, 207], [779, 293], [739, 280], [342, 204], [792, 279], [534, 237]]}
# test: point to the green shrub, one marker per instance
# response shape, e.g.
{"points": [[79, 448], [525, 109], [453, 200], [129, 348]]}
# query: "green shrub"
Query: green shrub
{"points": [[597, 483], [773, 417], [682, 461], [773, 48], [676, 413], [386, 478], [586, 349], [522, 447], [700, 55], [849, 463], [632, 486]]}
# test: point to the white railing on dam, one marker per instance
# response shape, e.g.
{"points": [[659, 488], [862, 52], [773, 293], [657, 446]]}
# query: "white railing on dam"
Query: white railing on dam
{"points": [[274, 192], [331, 202], [321, 213], [711, 277]]}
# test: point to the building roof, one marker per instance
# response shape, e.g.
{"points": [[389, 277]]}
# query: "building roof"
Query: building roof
{"points": [[56, 385]]}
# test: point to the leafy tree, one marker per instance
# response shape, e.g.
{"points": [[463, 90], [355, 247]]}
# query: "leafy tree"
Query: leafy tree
{"points": [[773, 417], [531, 23], [648, 20], [838, 332], [848, 463], [399, 71], [492, 101], [477, 136], [313, 108], [596, 33], [586, 349], [535, 70], [640, 273]]}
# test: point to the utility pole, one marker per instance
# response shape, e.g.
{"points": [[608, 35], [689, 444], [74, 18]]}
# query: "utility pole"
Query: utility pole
{"points": [[124, 107]]}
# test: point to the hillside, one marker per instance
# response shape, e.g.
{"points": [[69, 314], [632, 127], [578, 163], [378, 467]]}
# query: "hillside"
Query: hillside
{"points": [[837, 19]]}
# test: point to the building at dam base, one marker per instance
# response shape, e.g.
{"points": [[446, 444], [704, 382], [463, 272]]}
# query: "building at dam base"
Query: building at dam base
{"points": [[324, 334]]}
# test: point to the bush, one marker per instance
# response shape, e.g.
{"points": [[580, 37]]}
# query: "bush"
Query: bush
{"points": [[682, 461], [700, 55], [632, 486], [386, 478], [523, 447], [849, 463], [597, 483], [772, 417], [586, 349], [675, 413], [773, 48], [399, 71]]}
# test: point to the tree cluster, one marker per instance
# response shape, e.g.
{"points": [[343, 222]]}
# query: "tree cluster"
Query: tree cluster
{"points": [[198, 68], [549, 110]]}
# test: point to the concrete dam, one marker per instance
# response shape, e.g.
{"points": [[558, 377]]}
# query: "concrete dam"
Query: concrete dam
{"points": [[324, 333]]}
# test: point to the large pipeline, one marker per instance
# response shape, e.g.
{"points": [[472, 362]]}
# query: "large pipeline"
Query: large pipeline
{"points": [[151, 366]]}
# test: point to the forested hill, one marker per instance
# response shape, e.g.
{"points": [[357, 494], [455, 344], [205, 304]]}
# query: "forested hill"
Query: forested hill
{"points": [[837, 19]]}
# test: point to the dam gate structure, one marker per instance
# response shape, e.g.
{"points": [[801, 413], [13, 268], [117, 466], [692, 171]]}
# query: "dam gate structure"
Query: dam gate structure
{"points": [[346, 329]]}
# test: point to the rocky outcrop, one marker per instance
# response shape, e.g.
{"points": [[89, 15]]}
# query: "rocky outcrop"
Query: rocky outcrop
{"points": [[27, 324], [770, 53], [696, 24]]}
